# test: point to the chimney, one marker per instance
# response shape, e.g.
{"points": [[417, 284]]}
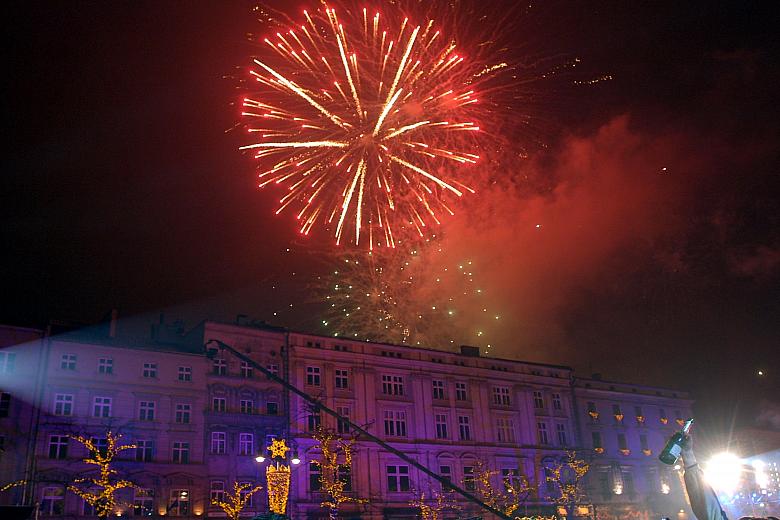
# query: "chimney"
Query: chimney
{"points": [[112, 326]]}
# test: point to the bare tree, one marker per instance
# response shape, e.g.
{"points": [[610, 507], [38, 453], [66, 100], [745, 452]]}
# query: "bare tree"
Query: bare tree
{"points": [[567, 477], [507, 498], [101, 491], [235, 502], [434, 507], [335, 459]]}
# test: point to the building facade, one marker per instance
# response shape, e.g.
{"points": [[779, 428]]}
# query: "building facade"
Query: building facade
{"points": [[198, 422]]}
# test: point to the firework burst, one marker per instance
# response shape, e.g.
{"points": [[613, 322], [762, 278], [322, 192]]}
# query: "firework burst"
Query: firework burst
{"points": [[419, 296], [368, 119]]}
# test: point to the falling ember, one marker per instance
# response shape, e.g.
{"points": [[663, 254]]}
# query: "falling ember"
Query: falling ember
{"points": [[412, 295], [367, 121]]}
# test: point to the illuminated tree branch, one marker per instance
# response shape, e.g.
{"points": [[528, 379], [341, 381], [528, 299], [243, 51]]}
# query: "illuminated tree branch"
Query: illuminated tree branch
{"points": [[101, 491], [514, 493], [434, 507], [568, 478], [336, 455], [237, 501]]}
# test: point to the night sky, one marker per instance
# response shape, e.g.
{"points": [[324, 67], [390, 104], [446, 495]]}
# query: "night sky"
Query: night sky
{"points": [[640, 241]]}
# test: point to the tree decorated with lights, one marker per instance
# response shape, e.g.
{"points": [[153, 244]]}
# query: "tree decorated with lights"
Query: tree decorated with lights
{"points": [[235, 502], [516, 491], [567, 476], [434, 507], [101, 491], [335, 457]]}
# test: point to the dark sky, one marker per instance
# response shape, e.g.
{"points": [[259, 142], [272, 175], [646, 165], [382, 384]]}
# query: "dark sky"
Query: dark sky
{"points": [[122, 189]]}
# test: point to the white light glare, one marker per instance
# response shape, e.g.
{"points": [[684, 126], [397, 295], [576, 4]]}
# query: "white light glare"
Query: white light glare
{"points": [[762, 478], [723, 472]]}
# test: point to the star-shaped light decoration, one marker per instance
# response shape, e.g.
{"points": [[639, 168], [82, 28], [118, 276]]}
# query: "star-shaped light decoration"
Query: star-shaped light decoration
{"points": [[278, 448]]}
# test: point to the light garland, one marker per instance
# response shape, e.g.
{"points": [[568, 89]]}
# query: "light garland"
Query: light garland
{"points": [[237, 501], [334, 447], [104, 499]]}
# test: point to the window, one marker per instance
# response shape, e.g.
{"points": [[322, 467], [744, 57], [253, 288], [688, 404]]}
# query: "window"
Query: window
{"points": [[218, 443], [183, 413], [556, 400], [438, 389], [246, 370], [314, 477], [7, 362], [185, 373], [342, 426], [245, 492], [181, 452], [622, 443], [510, 477], [68, 362], [506, 429], [313, 376], [5, 404], [662, 414], [541, 430], [464, 427], [219, 367], [538, 400], [446, 473], [638, 411], [105, 366], [52, 501], [217, 491], [143, 502], [460, 392], [101, 445], [560, 430], [392, 385], [144, 450], [58, 447], [273, 368], [643, 442], [441, 426], [247, 406], [101, 407], [342, 378], [271, 408], [596, 438], [218, 404], [395, 423], [345, 476], [150, 370], [616, 409], [469, 479], [179, 502], [397, 478], [146, 410], [246, 444], [63, 404], [313, 420], [501, 395], [628, 482]]}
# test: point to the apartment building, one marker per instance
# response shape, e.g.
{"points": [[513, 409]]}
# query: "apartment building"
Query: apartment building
{"points": [[199, 421]]}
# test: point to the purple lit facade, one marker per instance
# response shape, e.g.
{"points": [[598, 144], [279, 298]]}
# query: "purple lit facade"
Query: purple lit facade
{"points": [[199, 422]]}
